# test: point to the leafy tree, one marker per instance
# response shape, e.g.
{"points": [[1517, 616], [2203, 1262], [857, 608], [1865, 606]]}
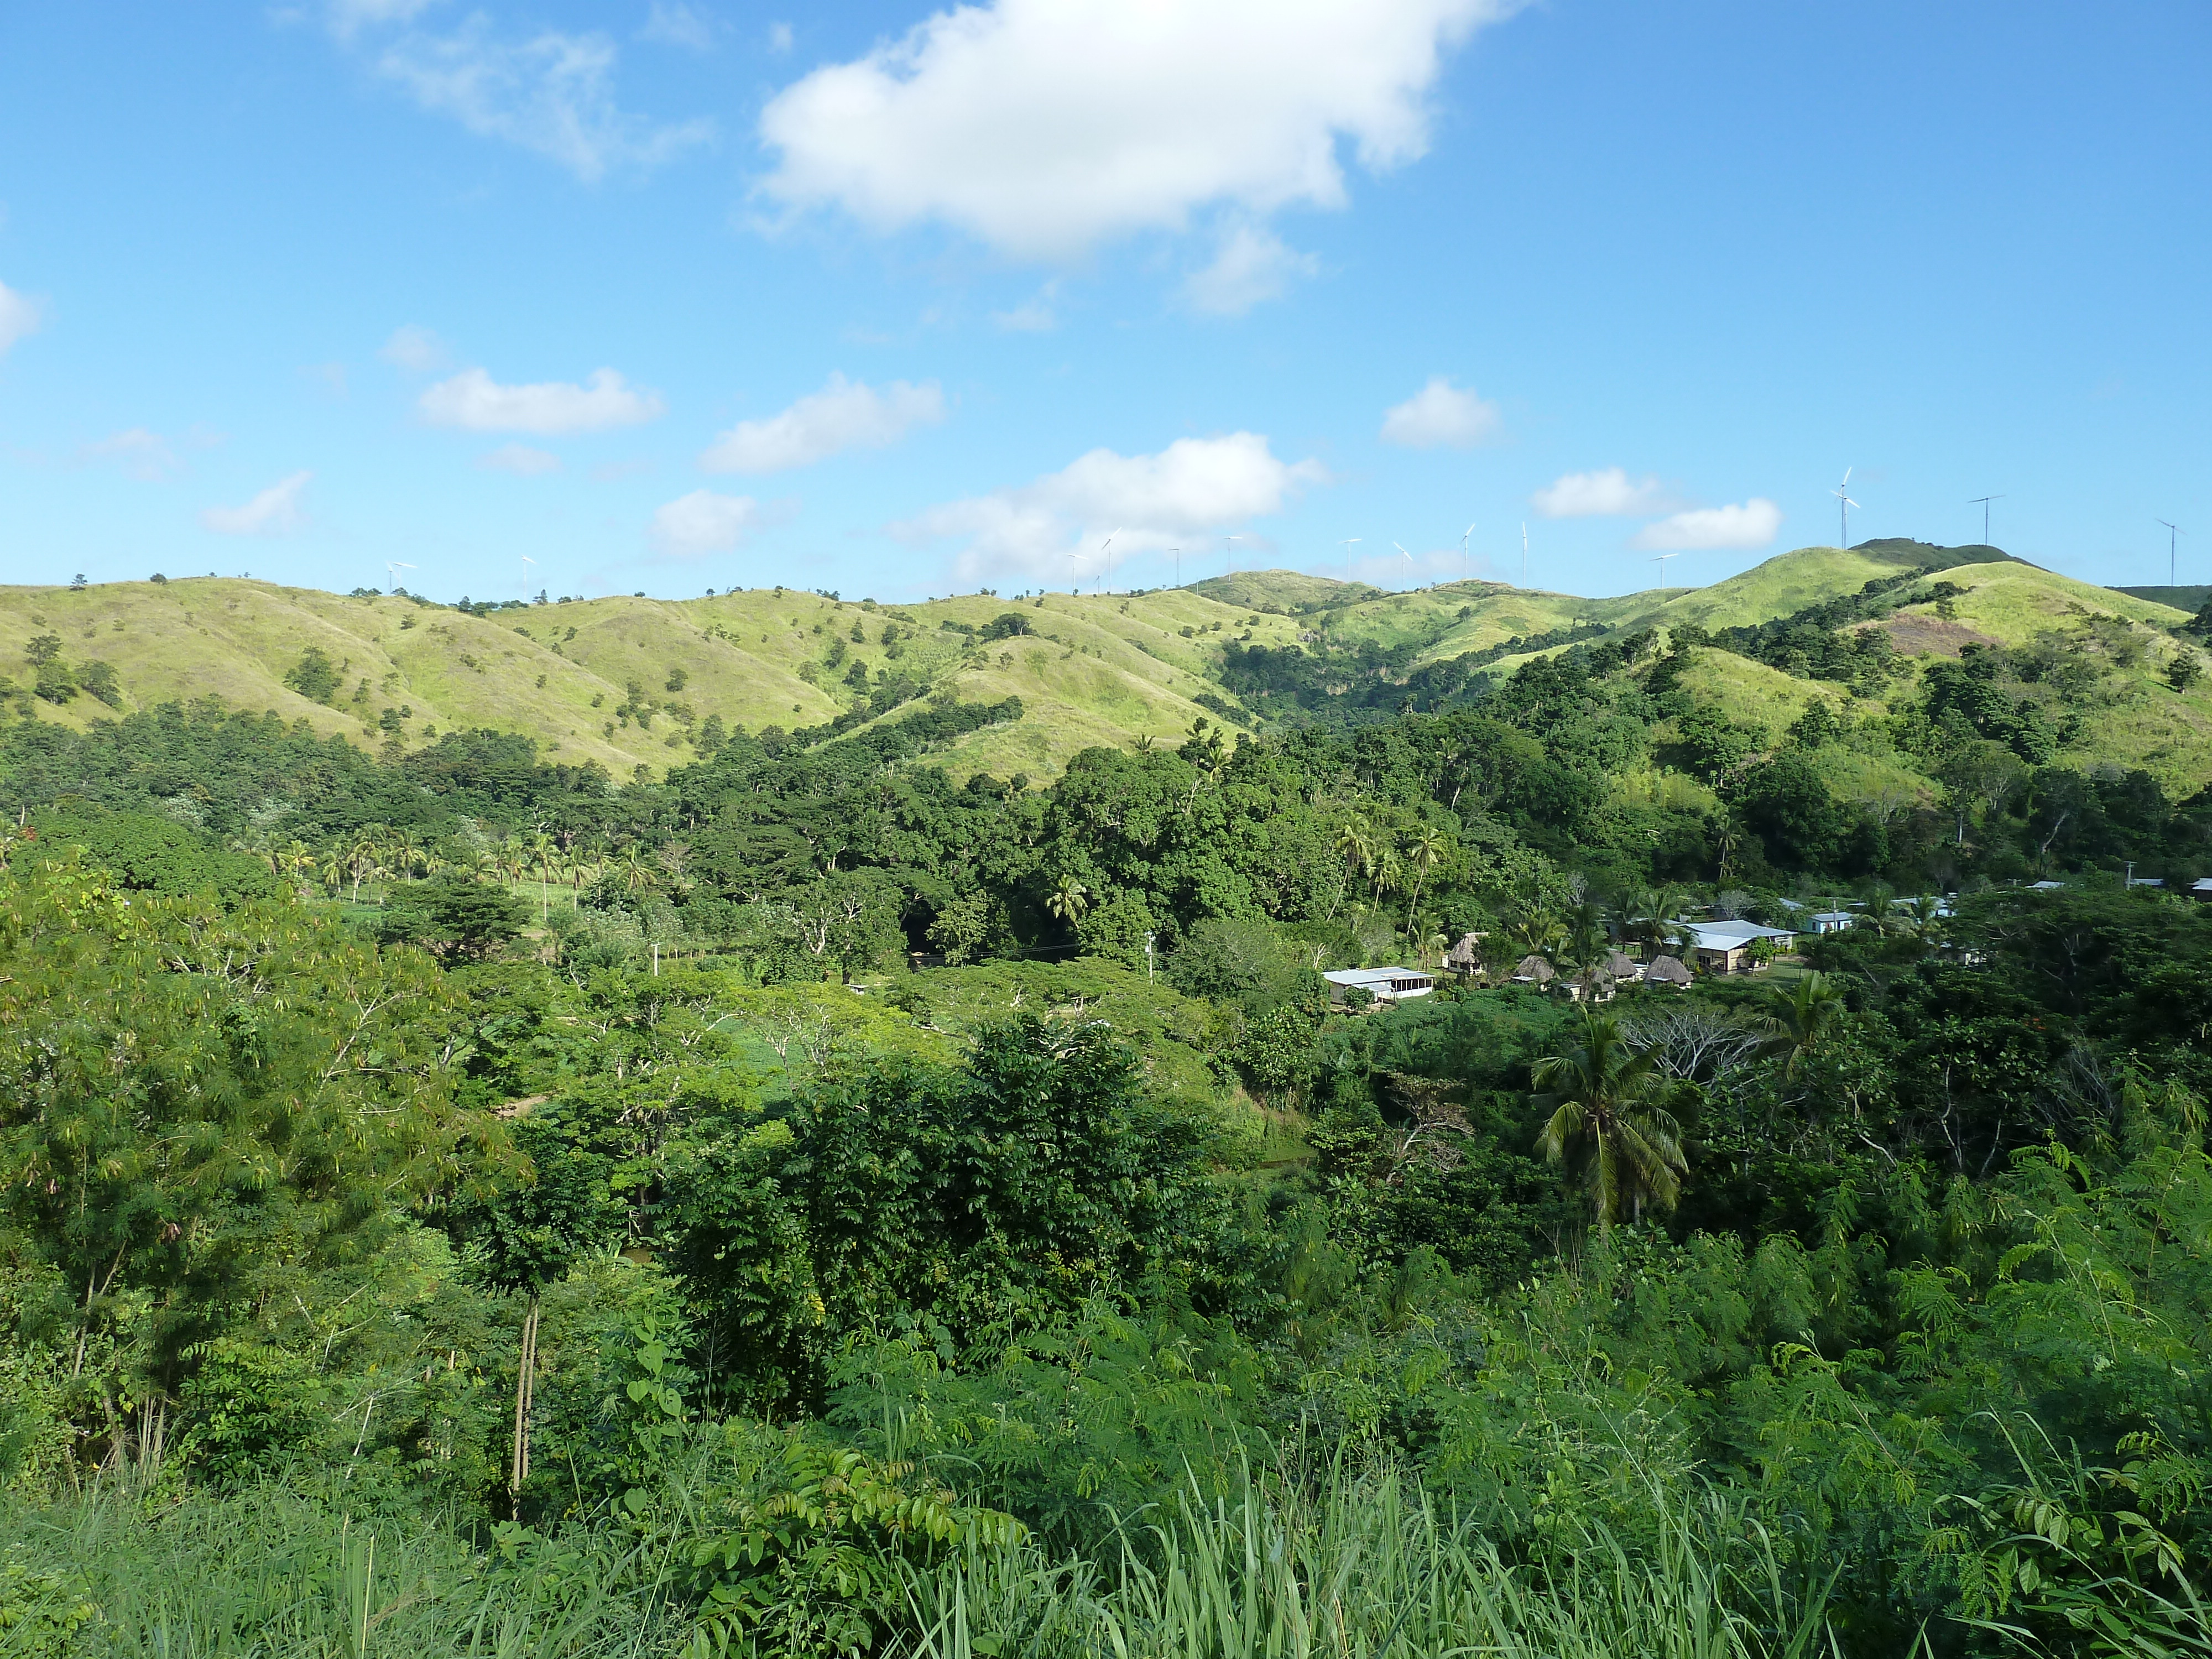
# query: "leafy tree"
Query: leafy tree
{"points": [[314, 676]]}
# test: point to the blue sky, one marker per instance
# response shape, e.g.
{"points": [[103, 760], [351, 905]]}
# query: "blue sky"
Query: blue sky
{"points": [[896, 301]]}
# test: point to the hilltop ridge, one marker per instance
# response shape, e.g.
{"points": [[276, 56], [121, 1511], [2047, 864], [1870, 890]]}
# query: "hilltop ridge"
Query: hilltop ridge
{"points": [[631, 682]]}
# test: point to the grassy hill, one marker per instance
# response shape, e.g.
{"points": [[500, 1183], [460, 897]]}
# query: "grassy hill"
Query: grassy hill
{"points": [[629, 681]]}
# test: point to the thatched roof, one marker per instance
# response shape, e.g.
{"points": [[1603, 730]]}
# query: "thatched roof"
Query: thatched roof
{"points": [[1621, 965], [1667, 970], [1466, 953], [1536, 970]]}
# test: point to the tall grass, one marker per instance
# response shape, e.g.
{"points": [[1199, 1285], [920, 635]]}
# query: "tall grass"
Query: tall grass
{"points": [[1370, 1569], [274, 1574]]}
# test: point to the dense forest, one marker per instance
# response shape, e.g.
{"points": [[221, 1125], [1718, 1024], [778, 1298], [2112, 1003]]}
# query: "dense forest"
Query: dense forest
{"points": [[458, 1202]]}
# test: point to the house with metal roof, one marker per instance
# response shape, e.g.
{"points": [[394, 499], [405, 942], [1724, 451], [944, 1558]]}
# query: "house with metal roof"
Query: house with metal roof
{"points": [[1724, 947], [1383, 984]]}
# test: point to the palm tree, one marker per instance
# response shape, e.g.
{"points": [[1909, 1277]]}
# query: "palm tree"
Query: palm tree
{"points": [[1728, 841], [544, 853], [1422, 852], [1798, 1016], [1584, 926], [1069, 899], [1605, 1119], [636, 871], [364, 857], [1355, 845]]}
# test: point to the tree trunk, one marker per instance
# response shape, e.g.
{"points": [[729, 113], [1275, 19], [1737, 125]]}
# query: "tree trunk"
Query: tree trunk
{"points": [[525, 1372]]}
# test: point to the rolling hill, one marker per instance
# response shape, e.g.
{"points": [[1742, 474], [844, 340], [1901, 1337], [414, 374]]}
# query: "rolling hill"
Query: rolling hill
{"points": [[630, 682]]}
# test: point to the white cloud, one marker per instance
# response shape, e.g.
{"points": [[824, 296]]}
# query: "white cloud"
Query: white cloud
{"points": [[1044, 126], [1147, 503], [415, 349], [521, 460], [552, 92], [475, 402], [843, 414], [143, 454], [1034, 315], [274, 512], [19, 314], [1744, 528], [1250, 264], [691, 527], [1608, 492], [1440, 415], [778, 37], [675, 23]]}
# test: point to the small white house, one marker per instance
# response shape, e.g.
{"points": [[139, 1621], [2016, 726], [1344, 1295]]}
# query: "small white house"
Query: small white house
{"points": [[1383, 984], [1832, 921]]}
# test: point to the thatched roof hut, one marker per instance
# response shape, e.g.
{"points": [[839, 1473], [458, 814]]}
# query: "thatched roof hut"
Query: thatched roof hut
{"points": [[1669, 970], [1534, 970], [1466, 957], [1623, 968]]}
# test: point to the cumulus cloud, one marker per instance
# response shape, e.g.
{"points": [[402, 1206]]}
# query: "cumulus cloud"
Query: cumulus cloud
{"points": [[1046, 126], [551, 92], [19, 314], [1250, 264], [415, 349], [691, 527], [674, 23], [1147, 503], [1608, 492], [1742, 528], [1441, 416], [474, 402], [843, 414], [274, 512], [142, 454], [521, 460]]}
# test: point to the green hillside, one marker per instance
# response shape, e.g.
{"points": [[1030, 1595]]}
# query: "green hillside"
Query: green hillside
{"points": [[632, 682]]}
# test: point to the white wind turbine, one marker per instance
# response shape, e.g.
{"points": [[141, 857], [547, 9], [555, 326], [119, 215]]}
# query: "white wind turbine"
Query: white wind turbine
{"points": [[1463, 535], [1409, 559], [1843, 506], [1348, 542], [391, 569]]}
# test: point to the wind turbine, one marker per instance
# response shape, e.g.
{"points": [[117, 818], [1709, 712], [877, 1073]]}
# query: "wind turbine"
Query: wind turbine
{"points": [[1524, 553], [1228, 553], [1178, 559], [1105, 553], [2173, 531], [1409, 558], [1843, 506], [1463, 535], [527, 561], [1074, 580], [391, 569], [1982, 502], [1349, 541], [1660, 559]]}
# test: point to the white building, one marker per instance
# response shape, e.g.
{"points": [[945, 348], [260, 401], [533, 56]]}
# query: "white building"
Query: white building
{"points": [[1383, 984]]}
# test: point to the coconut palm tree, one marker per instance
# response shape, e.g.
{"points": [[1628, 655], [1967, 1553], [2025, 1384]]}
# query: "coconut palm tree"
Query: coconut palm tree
{"points": [[1068, 901], [635, 869], [544, 854], [1797, 1017], [1607, 1123], [1424, 853], [1355, 845]]}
